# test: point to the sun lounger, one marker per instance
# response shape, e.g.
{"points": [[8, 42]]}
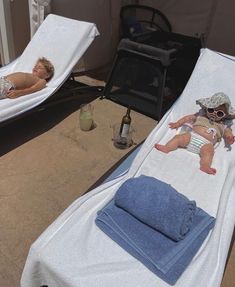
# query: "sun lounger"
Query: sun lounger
{"points": [[74, 251], [63, 41]]}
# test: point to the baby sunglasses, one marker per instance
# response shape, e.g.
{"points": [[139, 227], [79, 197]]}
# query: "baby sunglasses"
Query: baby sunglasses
{"points": [[219, 113]]}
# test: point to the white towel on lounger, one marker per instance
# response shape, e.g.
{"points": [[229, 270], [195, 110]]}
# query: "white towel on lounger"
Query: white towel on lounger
{"points": [[63, 41]]}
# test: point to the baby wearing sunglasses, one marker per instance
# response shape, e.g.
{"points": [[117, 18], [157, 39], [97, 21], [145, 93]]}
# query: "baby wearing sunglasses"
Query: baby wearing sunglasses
{"points": [[212, 123]]}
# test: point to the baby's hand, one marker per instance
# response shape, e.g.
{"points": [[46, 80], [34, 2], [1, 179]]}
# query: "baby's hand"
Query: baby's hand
{"points": [[229, 139], [12, 94], [228, 136], [174, 125]]}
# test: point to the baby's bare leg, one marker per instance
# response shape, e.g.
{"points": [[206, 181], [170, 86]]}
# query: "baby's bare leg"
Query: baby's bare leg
{"points": [[177, 141], [206, 154]]}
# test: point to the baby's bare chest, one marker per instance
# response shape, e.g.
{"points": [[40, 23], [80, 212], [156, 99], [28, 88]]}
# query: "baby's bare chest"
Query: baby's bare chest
{"points": [[22, 80]]}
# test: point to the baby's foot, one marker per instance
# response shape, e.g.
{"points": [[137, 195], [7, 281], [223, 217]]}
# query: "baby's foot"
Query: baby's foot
{"points": [[162, 148], [208, 169]]}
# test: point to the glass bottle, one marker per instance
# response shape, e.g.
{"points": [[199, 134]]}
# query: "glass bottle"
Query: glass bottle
{"points": [[125, 124]]}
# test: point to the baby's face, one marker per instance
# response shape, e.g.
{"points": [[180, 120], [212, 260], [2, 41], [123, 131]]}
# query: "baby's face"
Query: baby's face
{"points": [[40, 71], [217, 114]]}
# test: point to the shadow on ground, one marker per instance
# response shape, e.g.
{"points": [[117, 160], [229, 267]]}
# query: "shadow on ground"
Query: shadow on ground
{"points": [[23, 129]]}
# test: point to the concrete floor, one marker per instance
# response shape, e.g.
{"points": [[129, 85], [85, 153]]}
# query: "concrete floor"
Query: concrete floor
{"points": [[46, 163]]}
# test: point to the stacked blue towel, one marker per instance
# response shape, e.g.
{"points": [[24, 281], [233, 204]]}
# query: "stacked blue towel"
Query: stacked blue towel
{"points": [[163, 255], [157, 204]]}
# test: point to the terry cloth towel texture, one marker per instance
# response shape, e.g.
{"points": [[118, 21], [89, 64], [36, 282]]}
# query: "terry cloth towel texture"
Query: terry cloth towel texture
{"points": [[157, 204], [162, 255]]}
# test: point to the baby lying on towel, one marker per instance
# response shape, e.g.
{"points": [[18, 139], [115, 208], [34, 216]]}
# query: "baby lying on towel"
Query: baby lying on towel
{"points": [[19, 84], [212, 123]]}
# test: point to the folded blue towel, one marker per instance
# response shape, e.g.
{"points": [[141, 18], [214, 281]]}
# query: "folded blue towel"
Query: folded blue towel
{"points": [[157, 204], [163, 256]]}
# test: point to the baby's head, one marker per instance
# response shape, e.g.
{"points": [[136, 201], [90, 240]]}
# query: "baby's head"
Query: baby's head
{"points": [[44, 69], [218, 107]]}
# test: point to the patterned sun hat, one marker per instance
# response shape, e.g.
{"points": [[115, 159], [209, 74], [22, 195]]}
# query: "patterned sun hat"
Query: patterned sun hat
{"points": [[215, 101]]}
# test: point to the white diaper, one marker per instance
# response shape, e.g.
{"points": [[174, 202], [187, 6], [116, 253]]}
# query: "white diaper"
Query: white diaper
{"points": [[5, 86], [196, 142]]}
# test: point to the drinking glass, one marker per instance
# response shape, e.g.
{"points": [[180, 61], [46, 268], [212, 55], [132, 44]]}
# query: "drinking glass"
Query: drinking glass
{"points": [[86, 117]]}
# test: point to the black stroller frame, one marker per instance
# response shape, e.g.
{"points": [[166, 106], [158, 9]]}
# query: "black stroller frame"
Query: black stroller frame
{"points": [[150, 71]]}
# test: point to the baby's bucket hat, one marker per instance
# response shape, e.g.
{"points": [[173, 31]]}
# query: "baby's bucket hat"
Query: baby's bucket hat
{"points": [[215, 101]]}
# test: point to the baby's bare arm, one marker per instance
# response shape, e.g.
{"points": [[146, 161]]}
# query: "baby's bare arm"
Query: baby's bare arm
{"points": [[180, 122], [41, 84], [228, 136]]}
